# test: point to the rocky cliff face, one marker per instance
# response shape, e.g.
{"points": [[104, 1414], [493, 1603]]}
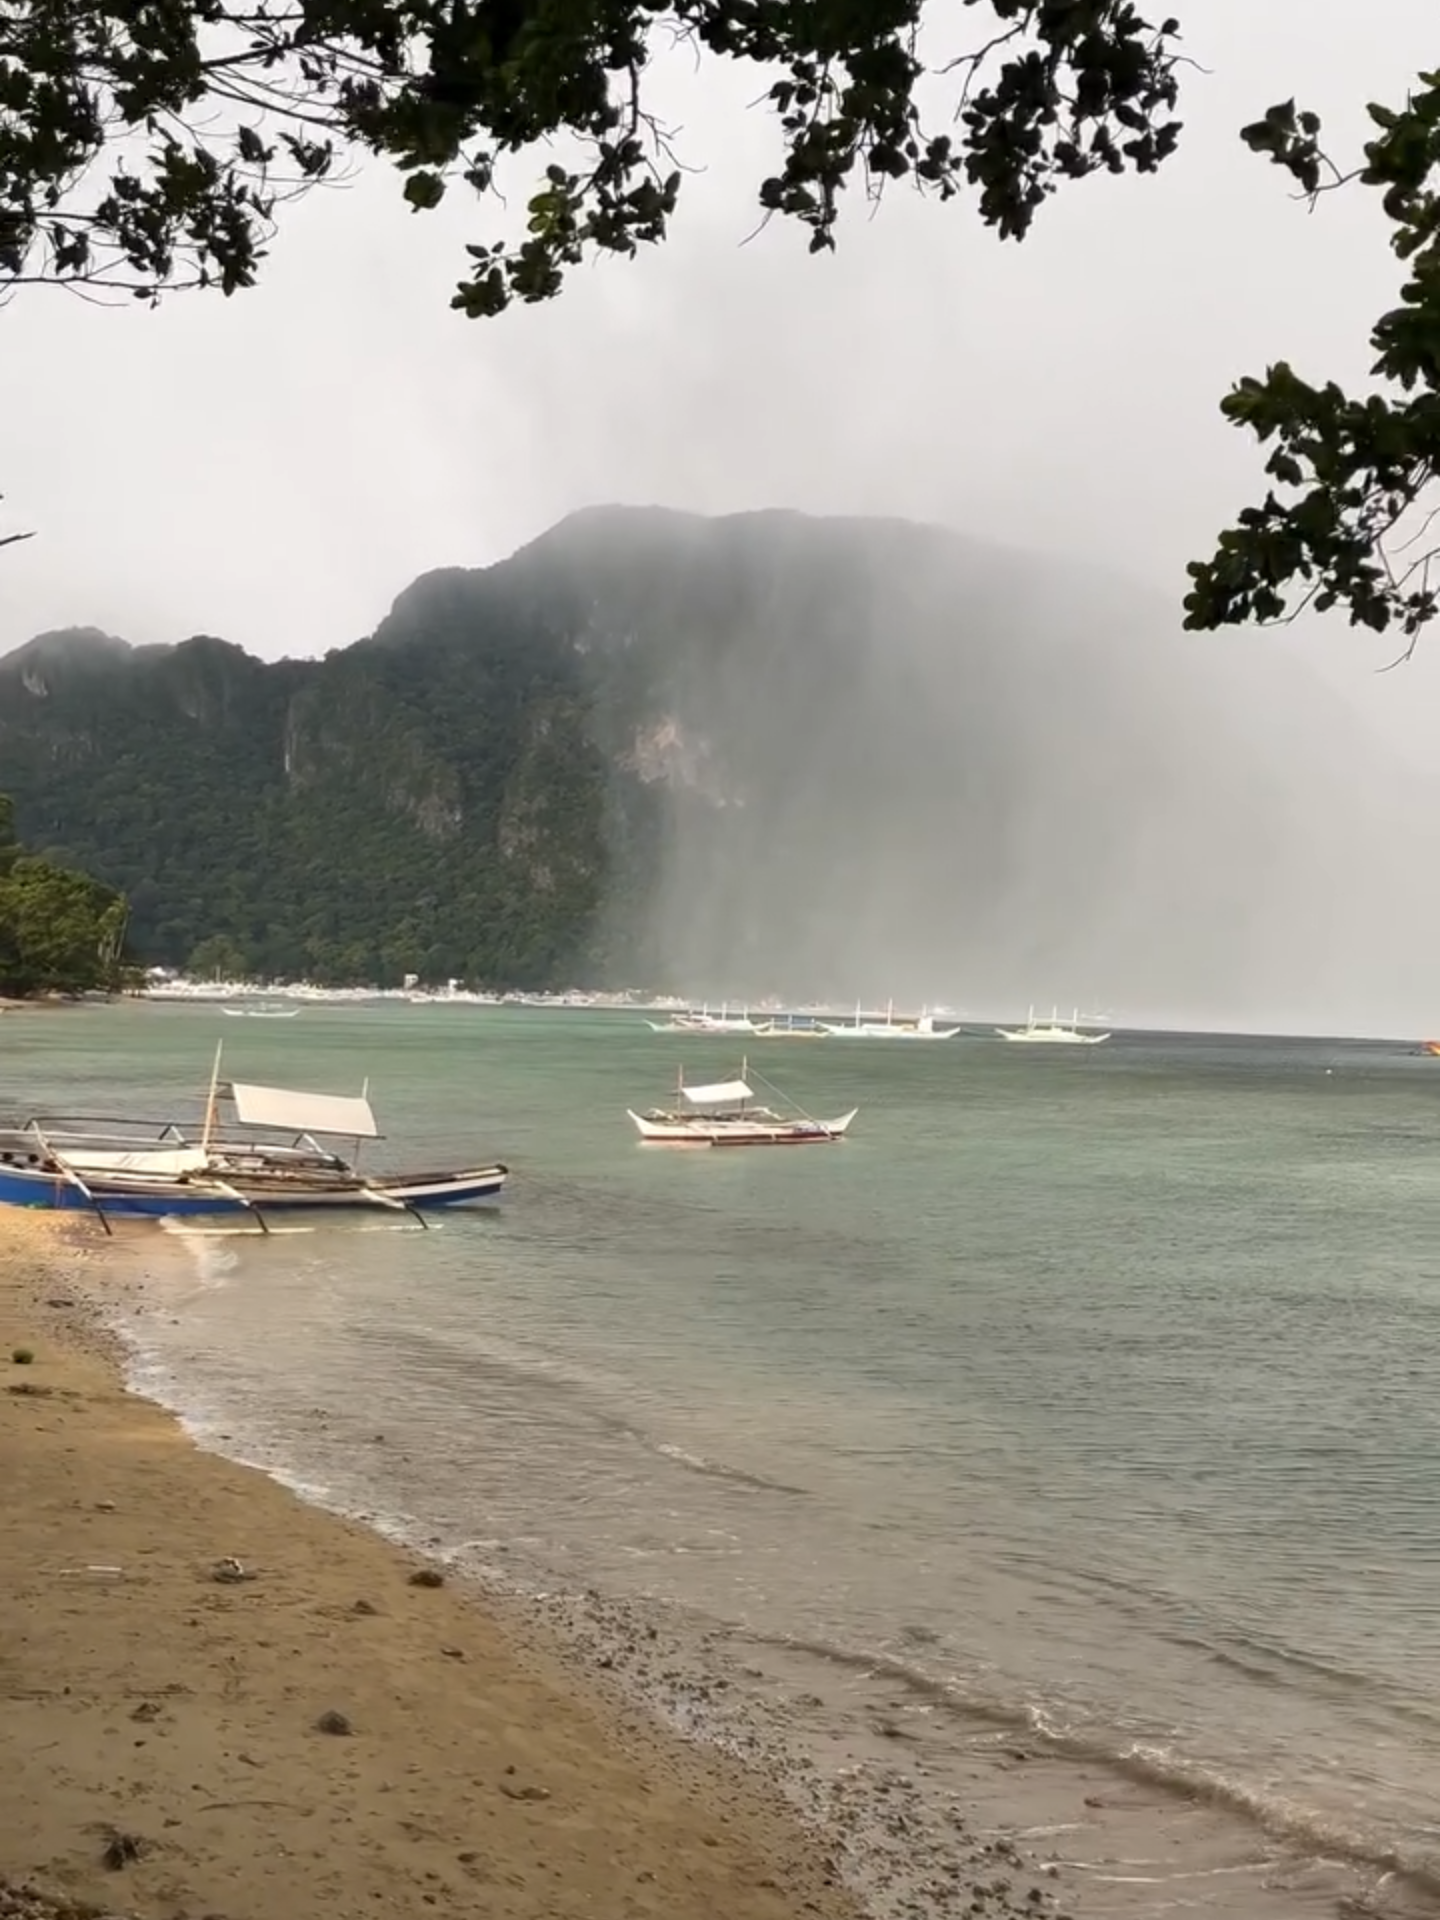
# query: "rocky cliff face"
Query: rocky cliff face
{"points": [[761, 753]]}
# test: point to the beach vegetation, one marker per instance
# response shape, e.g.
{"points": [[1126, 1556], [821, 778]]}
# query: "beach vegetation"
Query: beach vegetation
{"points": [[61, 932], [22, 1356], [218, 957]]}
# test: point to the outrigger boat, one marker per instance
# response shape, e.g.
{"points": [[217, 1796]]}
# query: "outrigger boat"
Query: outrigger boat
{"points": [[701, 1020], [791, 1026], [922, 1028], [270, 1158], [1052, 1032], [725, 1114]]}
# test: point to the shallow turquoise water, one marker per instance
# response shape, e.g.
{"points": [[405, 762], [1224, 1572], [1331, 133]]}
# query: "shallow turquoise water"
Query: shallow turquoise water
{"points": [[1101, 1385]]}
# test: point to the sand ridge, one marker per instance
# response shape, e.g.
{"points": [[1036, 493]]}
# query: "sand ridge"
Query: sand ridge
{"points": [[169, 1718]]}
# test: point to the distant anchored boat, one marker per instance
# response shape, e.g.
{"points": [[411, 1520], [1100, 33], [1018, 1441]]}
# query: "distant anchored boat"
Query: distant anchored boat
{"points": [[264, 1010], [701, 1020], [270, 1156], [923, 1028], [725, 1113], [791, 1026], [1052, 1032]]}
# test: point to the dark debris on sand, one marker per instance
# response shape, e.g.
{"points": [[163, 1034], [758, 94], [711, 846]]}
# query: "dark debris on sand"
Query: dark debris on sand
{"points": [[19, 1900]]}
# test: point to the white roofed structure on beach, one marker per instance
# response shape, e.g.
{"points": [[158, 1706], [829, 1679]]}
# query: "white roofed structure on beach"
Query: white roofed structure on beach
{"points": [[348, 1114], [722, 1093]]}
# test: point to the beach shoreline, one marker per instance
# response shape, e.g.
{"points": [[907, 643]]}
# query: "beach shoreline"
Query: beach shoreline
{"points": [[840, 1765], [175, 1630]]}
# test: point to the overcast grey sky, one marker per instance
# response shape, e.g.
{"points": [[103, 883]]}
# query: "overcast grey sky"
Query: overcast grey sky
{"points": [[277, 467]]}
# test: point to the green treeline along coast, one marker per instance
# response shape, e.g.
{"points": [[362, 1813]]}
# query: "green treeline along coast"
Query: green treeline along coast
{"points": [[60, 931]]}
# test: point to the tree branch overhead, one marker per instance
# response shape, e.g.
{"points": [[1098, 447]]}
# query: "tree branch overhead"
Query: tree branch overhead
{"points": [[152, 145]]}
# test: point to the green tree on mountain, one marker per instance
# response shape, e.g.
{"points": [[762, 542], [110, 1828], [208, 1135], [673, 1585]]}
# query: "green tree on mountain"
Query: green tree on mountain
{"points": [[218, 957]]}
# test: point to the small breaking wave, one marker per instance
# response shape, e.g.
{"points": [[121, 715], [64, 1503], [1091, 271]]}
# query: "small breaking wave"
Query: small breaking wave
{"points": [[716, 1469], [211, 1256], [1150, 1762]]}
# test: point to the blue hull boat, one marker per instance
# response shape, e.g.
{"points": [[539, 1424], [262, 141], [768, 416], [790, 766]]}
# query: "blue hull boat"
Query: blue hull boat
{"points": [[268, 1159], [34, 1187], [139, 1198]]}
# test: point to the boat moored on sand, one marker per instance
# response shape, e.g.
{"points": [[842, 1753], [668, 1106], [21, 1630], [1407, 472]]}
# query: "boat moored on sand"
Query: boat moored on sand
{"points": [[273, 1153]]}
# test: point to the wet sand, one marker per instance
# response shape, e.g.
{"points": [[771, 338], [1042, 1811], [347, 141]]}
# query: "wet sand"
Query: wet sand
{"points": [[161, 1742]]}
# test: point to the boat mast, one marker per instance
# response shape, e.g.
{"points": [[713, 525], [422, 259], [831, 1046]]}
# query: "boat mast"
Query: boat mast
{"points": [[209, 1126]]}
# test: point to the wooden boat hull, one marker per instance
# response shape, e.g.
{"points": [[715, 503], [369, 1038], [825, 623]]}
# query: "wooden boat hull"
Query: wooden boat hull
{"points": [[143, 1198], [1042, 1037], [890, 1033], [700, 1132], [432, 1192]]}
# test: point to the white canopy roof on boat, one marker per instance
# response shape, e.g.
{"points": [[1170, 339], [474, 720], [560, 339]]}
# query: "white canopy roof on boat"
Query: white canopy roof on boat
{"points": [[304, 1112], [722, 1094]]}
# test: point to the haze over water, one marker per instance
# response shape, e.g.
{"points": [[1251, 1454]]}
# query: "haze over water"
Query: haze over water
{"points": [[1097, 1386]]}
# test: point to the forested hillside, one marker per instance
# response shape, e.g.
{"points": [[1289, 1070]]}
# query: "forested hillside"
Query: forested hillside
{"points": [[764, 753], [431, 807]]}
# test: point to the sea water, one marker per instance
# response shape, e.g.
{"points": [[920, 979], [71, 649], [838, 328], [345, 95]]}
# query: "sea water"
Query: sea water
{"points": [[1088, 1394]]}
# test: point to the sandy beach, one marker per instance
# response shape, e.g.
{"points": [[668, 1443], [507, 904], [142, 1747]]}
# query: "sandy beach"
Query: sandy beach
{"points": [[162, 1750]]}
